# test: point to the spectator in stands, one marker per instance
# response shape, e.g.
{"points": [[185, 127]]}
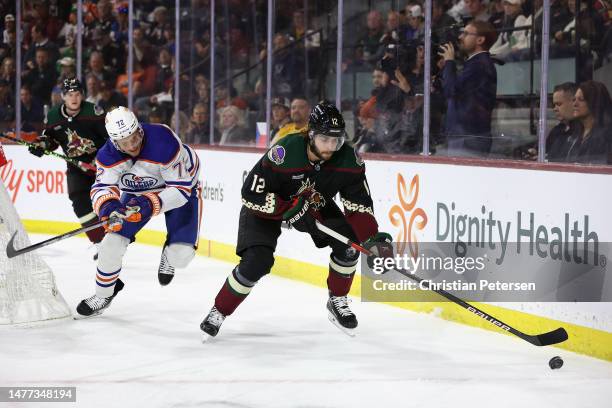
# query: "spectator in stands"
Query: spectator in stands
{"points": [[105, 21], [155, 32], [496, 9], [67, 68], [143, 51], [8, 71], [225, 95], [9, 25], [287, 67], [392, 120], [368, 109], [416, 21], [7, 104], [114, 55], [508, 41], [593, 112], [139, 77], [183, 124], [233, 127], [40, 40], [93, 89], [42, 78], [471, 93], [365, 139], [119, 33], [300, 112], [560, 137], [441, 22], [51, 24], [199, 129], [280, 115], [475, 10], [395, 29], [369, 49], [559, 18], [67, 35], [9, 49], [96, 67], [109, 97], [32, 112]]}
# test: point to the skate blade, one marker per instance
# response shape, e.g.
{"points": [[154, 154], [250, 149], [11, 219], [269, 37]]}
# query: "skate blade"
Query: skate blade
{"points": [[81, 317], [347, 331], [206, 338]]}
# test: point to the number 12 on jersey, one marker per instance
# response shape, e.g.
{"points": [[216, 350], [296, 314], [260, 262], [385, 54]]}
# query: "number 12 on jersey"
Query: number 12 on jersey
{"points": [[258, 184]]}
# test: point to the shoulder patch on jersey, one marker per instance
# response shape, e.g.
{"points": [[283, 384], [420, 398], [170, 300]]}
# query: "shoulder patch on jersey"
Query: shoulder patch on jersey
{"points": [[98, 111], [277, 154]]}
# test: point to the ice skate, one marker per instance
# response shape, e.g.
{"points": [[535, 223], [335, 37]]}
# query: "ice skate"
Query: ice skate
{"points": [[165, 272], [211, 324], [94, 305], [341, 315]]}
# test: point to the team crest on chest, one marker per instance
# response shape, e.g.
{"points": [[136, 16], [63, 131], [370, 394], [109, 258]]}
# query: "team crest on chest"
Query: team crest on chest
{"points": [[78, 146], [277, 154], [316, 199]]}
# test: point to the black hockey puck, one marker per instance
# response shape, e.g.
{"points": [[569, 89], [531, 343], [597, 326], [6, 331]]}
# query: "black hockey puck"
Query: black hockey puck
{"points": [[555, 362]]}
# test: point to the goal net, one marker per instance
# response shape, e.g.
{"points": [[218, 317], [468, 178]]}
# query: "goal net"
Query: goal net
{"points": [[27, 287]]}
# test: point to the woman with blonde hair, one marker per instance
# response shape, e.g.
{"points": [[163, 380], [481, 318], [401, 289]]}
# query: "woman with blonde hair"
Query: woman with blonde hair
{"points": [[232, 124]]}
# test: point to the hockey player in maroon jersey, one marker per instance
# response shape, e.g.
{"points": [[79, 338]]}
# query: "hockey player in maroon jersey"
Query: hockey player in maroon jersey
{"points": [[295, 181]]}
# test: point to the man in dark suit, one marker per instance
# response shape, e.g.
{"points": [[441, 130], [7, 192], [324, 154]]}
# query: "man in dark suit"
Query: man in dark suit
{"points": [[470, 93]]}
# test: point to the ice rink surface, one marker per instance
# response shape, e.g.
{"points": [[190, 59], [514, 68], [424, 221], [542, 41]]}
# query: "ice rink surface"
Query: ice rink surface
{"points": [[277, 350]]}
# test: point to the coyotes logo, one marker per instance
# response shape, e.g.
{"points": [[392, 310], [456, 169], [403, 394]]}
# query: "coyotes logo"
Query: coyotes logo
{"points": [[77, 145], [316, 199]]}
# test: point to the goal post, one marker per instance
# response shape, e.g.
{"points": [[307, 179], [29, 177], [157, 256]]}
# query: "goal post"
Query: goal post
{"points": [[28, 292]]}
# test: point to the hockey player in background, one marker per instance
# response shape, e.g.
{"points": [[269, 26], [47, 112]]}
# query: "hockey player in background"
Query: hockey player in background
{"points": [[295, 181], [144, 170], [78, 127]]}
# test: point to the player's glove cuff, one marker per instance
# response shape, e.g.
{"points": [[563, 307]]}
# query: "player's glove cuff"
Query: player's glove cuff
{"points": [[381, 246]]}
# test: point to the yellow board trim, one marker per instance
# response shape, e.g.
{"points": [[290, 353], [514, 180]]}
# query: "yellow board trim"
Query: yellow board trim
{"points": [[583, 340]]}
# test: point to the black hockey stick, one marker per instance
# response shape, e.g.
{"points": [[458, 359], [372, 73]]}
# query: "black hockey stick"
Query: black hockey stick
{"points": [[86, 167], [545, 339], [11, 252]]}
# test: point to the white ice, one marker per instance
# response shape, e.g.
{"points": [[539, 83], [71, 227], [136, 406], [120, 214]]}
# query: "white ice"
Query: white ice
{"points": [[277, 350]]}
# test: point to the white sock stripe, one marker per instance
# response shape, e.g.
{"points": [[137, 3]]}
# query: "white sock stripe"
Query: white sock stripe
{"points": [[241, 279], [237, 286], [345, 270]]}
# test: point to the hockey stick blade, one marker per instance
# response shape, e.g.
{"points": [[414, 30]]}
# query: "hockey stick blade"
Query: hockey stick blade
{"points": [[12, 252], [546, 339]]}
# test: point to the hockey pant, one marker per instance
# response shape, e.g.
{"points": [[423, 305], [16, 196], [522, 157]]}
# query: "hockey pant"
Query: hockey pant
{"points": [[79, 185], [257, 238], [183, 230]]}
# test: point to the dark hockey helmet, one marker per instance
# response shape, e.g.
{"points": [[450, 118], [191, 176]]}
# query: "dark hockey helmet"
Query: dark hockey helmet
{"points": [[325, 119], [72, 84]]}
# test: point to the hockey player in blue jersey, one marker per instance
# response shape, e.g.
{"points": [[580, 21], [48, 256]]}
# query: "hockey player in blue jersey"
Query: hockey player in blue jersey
{"points": [[142, 171]]}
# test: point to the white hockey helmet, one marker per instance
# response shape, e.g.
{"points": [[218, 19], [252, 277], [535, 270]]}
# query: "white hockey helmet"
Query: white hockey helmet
{"points": [[120, 123]]}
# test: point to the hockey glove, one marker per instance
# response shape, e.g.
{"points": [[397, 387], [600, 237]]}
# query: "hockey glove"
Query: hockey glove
{"points": [[115, 212], [381, 246], [38, 147], [145, 205], [302, 214]]}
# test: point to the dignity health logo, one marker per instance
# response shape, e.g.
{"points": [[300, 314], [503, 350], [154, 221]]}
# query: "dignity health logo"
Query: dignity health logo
{"points": [[407, 216]]}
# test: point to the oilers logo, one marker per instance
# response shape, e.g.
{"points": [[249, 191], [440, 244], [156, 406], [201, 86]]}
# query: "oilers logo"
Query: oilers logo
{"points": [[134, 182]]}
